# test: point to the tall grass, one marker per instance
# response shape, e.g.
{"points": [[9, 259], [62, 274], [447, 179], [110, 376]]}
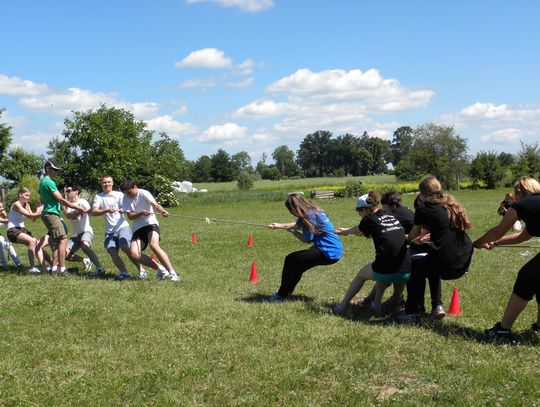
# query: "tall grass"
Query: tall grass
{"points": [[213, 340]]}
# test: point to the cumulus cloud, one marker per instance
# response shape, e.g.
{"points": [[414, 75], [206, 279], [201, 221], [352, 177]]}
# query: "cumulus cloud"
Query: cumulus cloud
{"points": [[261, 109], [205, 58], [245, 5], [15, 86], [201, 83], [504, 136], [170, 126], [225, 132]]}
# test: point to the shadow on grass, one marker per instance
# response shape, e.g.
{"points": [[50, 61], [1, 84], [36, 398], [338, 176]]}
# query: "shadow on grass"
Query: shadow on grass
{"points": [[73, 272], [443, 327], [261, 298]]}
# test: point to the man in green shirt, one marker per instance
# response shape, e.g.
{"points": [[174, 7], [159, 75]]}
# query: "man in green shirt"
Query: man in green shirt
{"points": [[52, 201]]}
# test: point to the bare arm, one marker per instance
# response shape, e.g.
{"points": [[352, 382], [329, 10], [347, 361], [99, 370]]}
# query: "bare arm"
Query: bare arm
{"points": [[349, 231], [498, 231], [65, 202], [160, 209], [26, 211], [287, 226], [513, 238]]}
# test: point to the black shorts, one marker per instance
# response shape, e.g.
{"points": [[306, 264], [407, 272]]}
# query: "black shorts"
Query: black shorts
{"points": [[528, 280], [143, 234], [13, 233]]}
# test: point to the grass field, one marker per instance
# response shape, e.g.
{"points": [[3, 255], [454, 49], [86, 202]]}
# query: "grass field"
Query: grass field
{"points": [[212, 339]]}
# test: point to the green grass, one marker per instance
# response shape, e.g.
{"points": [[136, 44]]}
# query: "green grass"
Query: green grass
{"points": [[212, 339]]}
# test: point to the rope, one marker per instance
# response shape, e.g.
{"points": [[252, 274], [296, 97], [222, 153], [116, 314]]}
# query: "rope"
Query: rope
{"points": [[208, 220], [512, 246]]}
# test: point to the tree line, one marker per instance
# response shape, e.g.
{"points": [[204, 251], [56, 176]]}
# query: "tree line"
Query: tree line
{"points": [[111, 141]]}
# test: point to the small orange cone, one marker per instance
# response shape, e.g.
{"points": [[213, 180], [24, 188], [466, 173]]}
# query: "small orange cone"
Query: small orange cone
{"points": [[194, 238], [454, 304], [253, 277], [250, 241]]}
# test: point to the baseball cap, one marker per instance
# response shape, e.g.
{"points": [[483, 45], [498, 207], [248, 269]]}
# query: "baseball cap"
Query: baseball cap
{"points": [[52, 164], [362, 202]]}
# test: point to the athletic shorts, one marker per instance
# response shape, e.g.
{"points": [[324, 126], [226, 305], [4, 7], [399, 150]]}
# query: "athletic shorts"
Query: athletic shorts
{"points": [[121, 237], [75, 242], [55, 226], [402, 277], [528, 280], [13, 233], [143, 234]]}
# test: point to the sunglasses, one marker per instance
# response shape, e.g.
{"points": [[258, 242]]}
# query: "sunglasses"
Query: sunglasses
{"points": [[69, 190]]}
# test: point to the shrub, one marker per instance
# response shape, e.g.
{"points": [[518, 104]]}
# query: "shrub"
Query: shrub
{"points": [[245, 181], [162, 188], [32, 183]]}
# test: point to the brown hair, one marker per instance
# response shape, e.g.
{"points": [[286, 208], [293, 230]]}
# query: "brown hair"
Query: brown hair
{"points": [[23, 190], [299, 206], [391, 198], [526, 186], [506, 203], [431, 191]]}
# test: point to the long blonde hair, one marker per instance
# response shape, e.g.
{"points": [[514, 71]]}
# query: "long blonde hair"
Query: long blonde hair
{"points": [[526, 185], [299, 206], [431, 191]]}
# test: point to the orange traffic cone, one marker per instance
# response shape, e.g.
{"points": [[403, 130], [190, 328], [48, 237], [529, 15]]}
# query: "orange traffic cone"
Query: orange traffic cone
{"points": [[194, 238], [253, 277], [454, 304], [250, 241]]}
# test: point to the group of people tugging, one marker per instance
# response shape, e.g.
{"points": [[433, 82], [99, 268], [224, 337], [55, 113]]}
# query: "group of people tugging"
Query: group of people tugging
{"points": [[430, 244], [135, 203]]}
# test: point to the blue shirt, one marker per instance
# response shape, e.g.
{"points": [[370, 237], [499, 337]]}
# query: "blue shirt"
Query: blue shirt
{"points": [[325, 239]]}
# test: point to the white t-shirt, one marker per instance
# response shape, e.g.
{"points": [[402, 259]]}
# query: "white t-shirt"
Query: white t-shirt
{"points": [[113, 221], [81, 223], [142, 202]]}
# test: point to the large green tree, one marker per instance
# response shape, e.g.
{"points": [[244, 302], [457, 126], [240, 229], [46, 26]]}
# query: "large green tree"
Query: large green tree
{"points": [[313, 154], [168, 159], [436, 150], [486, 167], [241, 163], [18, 163], [284, 159], [202, 169], [401, 143], [103, 141], [222, 169], [5, 135], [528, 161]]}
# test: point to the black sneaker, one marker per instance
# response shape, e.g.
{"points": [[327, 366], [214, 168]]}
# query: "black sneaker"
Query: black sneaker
{"points": [[498, 333], [535, 328]]}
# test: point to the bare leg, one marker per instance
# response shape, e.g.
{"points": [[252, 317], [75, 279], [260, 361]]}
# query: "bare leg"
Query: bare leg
{"points": [[118, 262], [364, 274], [379, 289], [513, 309], [160, 253]]}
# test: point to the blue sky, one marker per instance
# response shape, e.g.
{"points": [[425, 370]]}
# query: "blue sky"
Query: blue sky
{"points": [[251, 75]]}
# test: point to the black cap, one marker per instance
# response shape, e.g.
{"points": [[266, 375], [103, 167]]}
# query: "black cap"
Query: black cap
{"points": [[53, 164]]}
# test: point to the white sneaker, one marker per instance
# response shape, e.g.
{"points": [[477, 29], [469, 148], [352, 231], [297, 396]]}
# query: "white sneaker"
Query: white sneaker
{"points": [[34, 270], [143, 274], [87, 264], [174, 277], [162, 273]]}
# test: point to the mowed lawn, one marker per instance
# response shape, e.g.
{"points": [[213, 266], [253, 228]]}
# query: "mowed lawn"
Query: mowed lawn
{"points": [[213, 339]]}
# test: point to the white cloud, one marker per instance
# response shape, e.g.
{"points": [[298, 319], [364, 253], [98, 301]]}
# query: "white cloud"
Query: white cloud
{"points": [[245, 5], [225, 132], [203, 83], [145, 109], [16, 86], [246, 83], [504, 136], [205, 58], [261, 109], [170, 126]]}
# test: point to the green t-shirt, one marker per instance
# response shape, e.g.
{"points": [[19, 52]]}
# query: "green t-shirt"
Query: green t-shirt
{"points": [[46, 188]]}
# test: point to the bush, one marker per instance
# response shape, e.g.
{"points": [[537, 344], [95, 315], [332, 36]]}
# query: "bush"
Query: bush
{"points": [[162, 188], [245, 181]]}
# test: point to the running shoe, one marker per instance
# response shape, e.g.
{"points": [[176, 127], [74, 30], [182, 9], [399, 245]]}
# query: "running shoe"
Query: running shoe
{"points": [[162, 273], [143, 275], [498, 333], [174, 276], [100, 272], [437, 312], [275, 297], [87, 264], [34, 270], [123, 276]]}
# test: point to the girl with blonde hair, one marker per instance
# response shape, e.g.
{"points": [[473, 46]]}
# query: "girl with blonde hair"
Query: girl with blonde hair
{"points": [[527, 209], [441, 219], [312, 225]]}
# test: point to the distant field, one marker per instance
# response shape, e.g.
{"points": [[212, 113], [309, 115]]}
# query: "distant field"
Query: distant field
{"points": [[213, 340], [289, 185]]}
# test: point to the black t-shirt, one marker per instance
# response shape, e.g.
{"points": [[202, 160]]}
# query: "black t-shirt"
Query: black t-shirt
{"points": [[405, 217], [451, 248], [528, 210], [389, 240]]}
